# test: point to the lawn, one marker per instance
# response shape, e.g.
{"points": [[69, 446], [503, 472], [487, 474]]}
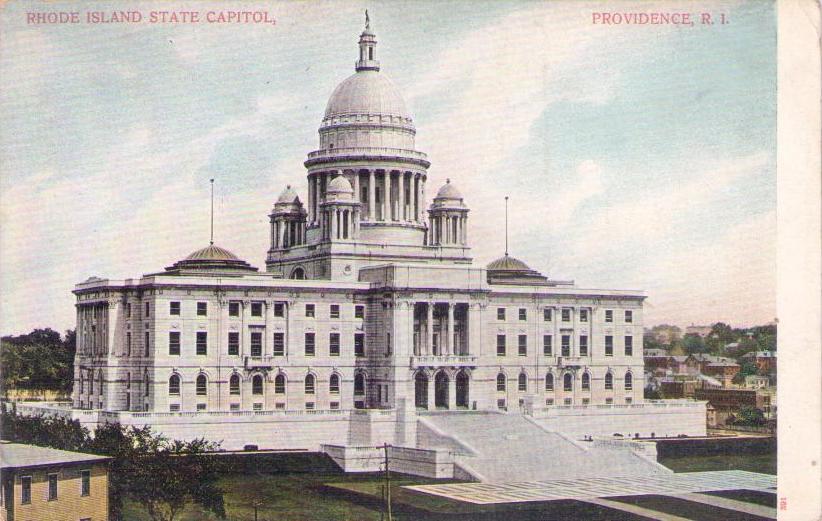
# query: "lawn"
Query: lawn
{"points": [[763, 463]]}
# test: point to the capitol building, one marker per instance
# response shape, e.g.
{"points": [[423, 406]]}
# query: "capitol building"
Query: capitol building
{"points": [[369, 323]]}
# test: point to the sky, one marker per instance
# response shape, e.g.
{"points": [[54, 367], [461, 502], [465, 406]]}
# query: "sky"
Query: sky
{"points": [[635, 157]]}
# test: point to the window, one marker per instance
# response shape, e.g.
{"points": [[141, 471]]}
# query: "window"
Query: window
{"points": [[174, 385], [256, 344], [549, 382], [146, 383], [566, 345], [586, 382], [174, 342], [85, 483], [128, 343], [629, 381], [233, 343], [629, 346], [500, 313], [25, 486], [609, 401], [257, 385], [609, 345], [568, 382], [309, 384], [309, 344], [309, 310], [309, 406], [501, 403], [500, 345], [174, 308], [586, 401], [335, 311], [583, 315], [609, 381], [234, 407], [629, 400], [629, 316], [52, 487], [566, 315], [147, 310], [202, 385], [234, 384], [583, 345], [522, 345], [609, 315], [334, 344], [128, 310], [334, 405], [234, 309], [549, 401], [359, 311], [523, 314], [201, 407], [547, 345], [202, 343], [500, 382], [146, 342], [387, 344], [334, 384], [202, 309], [359, 384], [256, 309], [279, 344], [522, 383], [359, 344], [546, 314], [279, 384], [279, 309], [174, 407], [567, 401]]}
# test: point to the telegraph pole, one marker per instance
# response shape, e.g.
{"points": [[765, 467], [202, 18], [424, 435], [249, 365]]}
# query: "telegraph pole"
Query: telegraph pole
{"points": [[387, 483]]}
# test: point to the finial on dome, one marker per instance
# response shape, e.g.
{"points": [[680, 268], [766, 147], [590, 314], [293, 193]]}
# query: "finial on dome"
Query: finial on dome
{"points": [[368, 48], [367, 21]]}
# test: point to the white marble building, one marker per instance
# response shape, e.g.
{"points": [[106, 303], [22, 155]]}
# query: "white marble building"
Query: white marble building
{"points": [[368, 313]]}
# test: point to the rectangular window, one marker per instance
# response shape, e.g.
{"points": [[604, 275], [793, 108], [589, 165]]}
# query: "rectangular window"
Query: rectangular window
{"points": [[359, 344], [146, 342], [359, 311], [309, 344], [85, 482], [279, 309], [257, 406], [609, 401], [609, 315], [629, 346], [334, 406], [201, 406], [586, 401], [174, 407], [522, 345], [256, 344], [309, 310], [128, 343], [387, 344], [566, 315], [174, 342], [523, 314], [233, 343], [234, 407], [549, 401], [567, 401], [566, 345], [628, 399], [583, 315], [202, 309], [128, 310], [334, 344], [279, 344], [583, 345], [500, 313], [25, 489], [501, 403], [500, 345], [629, 316], [309, 406], [147, 310], [174, 308], [234, 309], [256, 309], [546, 314], [52, 487], [547, 345], [335, 311], [202, 343], [609, 345]]}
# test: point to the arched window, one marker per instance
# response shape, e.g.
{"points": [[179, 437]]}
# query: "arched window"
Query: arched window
{"points": [[334, 384], [549, 382], [298, 274], [174, 385], [500, 382], [145, 383], [309, 384], [100, 383], [609, 380], [234, 384], [202, 385], [257, 384], [522, 382], [359, 383], [91, 383], [629, 381], [81, 382], [279, 384], [586, 382], [567, 382]]}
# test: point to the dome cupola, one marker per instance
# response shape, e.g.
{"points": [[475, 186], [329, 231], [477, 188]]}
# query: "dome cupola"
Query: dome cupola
{"points": [[211, 259]]}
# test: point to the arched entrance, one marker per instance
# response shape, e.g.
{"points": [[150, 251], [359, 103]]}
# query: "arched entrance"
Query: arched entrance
{"points": [[441, 390], [421, 390], [462, 389]]}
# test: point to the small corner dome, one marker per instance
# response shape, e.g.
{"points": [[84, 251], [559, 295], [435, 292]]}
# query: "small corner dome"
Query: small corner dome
{"points": [[507, 263], [288, 196], [448, 191], [339, 185]]}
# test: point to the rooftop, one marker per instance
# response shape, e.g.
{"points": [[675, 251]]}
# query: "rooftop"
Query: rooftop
{"points": [[18, 455]]}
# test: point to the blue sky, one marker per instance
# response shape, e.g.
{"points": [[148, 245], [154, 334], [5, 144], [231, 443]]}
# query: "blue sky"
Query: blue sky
{"points": [[639, 157]]}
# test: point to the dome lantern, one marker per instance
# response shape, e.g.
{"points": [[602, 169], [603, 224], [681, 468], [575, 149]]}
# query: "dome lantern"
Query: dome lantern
{"points": [[368, 49]]}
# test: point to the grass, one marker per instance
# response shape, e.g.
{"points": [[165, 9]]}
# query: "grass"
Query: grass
{"points": [[763, 463]]}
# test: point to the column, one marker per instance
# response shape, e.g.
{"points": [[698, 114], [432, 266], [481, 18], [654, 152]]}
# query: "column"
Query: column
{"points": [[429, 329], [452, 392], [417, 197], [386, 214], [431, 391], [371, 196], [450, 329], [356, 186], [401, 186], [310, 198]]}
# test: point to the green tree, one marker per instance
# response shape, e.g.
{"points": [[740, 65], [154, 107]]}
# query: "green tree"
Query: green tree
{"points": [[38, 360], [750, 416], [693, 344]]}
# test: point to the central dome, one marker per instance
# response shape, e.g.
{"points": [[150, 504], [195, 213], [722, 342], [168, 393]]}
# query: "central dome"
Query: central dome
{"points": [[367, 93]]}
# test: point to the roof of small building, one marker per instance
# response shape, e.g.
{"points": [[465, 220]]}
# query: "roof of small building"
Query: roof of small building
{"points": [[723, 363], [448, 191], [18, 455], [288, 196], [212, 252], [507, 263], [339, 185], [211, 259]]}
